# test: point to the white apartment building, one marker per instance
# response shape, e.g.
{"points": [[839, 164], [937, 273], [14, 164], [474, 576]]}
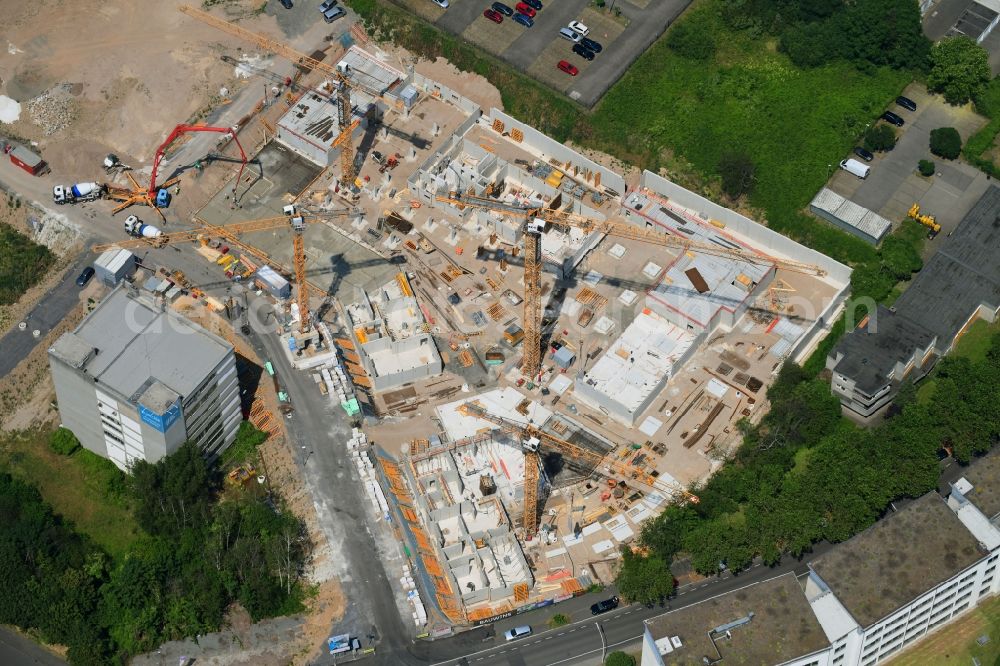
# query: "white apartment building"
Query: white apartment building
{"points": [[871, 596]]}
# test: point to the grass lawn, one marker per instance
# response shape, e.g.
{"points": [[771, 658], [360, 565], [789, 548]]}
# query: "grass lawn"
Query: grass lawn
{"points": [[973, 346], [83, 488], [955, 644]]}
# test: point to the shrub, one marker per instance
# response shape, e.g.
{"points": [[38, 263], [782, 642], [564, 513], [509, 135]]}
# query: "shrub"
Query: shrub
{"points": [[926, 168], [63, 442], [738, 172], [880, 137], [618, 658], [691, 40], [946, 143], [558, 620]]}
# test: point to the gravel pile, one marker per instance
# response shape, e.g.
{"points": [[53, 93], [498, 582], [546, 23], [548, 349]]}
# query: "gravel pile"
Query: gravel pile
{"points": [[53, 110]]}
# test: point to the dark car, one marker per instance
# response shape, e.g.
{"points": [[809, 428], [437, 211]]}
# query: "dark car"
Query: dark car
{"points": [[891, 117], [325, 5], [523, 20], [287, 4], [906, 103], [493, 15], [534, 4], [604, 606], [501, 8], [591, 44], [85, 276], [583, 51], [864, 154]]}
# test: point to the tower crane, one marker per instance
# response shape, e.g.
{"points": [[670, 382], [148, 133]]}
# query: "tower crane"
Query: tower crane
{"points": [[150, 195], [348, 172], [533, 439], [536, 218], [293, 219]]}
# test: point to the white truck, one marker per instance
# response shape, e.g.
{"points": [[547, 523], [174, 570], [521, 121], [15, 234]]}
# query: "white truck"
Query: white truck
{"points": [[857, 168], [63, 194], [138, 229]]}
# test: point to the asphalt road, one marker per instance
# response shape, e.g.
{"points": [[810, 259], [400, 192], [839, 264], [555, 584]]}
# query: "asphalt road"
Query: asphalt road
{"points": [[16, 650]]}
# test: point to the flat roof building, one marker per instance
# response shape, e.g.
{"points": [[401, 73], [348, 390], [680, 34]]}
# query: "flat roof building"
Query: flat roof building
{"points": [[136, 380], [959, 284], [849, 216]]}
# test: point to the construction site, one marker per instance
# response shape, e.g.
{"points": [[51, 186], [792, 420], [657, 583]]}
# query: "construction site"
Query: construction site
{"points": [[535, 356]]}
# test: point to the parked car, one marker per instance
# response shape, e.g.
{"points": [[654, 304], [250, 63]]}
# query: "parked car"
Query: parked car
{"points": [[583, 51], [441, 3], [857, 168], [326, 5], [525, 9], [517, 632], [572, 36], [502, 8], [580, 28], [85, 276], [333, 14], [534, 4], [891, 117], [604, 606], [866, 155], [906, 103], [523, 20], [287, 4], [493, 15], [568, 67], [592, 45]]}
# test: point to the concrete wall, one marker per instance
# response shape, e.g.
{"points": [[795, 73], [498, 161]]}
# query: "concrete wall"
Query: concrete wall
{"points": [[436, 89], [758, 233], [550, 148], [385, 382], [78, 406]]}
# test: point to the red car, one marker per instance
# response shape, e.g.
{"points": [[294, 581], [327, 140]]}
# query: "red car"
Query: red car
{"points": [[525, 9], [493, 15], [568, 67]]}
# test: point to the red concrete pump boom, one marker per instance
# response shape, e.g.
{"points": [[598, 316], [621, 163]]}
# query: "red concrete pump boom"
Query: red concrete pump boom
{"points": [[184, 129]]}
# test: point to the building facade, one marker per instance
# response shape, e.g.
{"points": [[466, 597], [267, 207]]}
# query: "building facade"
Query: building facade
{"points": [[134, 381]]}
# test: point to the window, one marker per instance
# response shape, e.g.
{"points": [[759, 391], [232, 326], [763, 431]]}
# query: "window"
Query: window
{"points": [[840, 649], [961, 608], [984, 590]]}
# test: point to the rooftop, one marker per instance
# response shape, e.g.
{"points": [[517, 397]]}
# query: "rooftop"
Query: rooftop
{"points": [[136, 341], [984, 475], [639, 360], [848, 212], [872, 350], [898, 558], [500, 402], [783, 626]]}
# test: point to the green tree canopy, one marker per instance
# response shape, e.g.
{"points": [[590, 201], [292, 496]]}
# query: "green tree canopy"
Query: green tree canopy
{"points": [[880, 137], [174, 493], [960, 69], [900, 257], [946, 142], [646, 580], [619, 658]]}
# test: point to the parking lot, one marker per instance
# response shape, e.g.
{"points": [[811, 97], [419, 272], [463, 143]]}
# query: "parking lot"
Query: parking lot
{"points": [[538, 49], [894, 183]]}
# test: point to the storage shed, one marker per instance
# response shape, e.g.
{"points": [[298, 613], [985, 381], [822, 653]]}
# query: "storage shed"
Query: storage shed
{"points": [[115, 265]]}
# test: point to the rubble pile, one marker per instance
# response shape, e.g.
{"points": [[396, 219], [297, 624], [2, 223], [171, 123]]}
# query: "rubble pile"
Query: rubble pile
{"points": [[53, 110]]}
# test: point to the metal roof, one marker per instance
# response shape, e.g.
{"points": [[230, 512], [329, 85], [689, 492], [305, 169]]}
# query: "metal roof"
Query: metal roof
{"points": [[851, 214]]}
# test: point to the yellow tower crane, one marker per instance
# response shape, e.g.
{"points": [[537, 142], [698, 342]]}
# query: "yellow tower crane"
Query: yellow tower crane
{"points": [[533, 440], [344, 84], [536, 219], [294, 220]]}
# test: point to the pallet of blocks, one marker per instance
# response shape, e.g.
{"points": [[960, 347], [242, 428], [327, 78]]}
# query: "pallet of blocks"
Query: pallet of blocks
{"points": [[366, 470], [413, 596]]}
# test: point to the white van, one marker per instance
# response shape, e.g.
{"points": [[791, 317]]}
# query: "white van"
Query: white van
{"points": [[857, 168]]}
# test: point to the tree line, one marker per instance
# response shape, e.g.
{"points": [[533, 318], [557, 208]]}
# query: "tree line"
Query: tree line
{"points": [[199, 554]]}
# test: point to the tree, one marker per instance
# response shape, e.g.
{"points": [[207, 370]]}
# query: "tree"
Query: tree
{"points": [[946, 142], [899, 257], [173, 493], [647, 580], [880, 137], [960, 69], [619, 658], [737, 171], [63, 442], [926, 168]]}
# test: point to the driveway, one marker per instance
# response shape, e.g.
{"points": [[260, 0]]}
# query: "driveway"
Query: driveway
{"points": [[894, 185]]}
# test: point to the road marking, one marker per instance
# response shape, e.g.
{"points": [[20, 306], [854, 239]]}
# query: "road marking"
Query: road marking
{"points": [[607, 647], [549, 638]]}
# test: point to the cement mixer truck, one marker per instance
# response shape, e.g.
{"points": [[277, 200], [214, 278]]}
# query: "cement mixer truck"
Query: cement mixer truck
{"points": [[138, 229], [63, 194]]}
